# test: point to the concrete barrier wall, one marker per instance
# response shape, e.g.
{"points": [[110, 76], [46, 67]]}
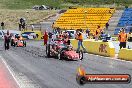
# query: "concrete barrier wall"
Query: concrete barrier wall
{"points": [[97, 47], [125, 54]]}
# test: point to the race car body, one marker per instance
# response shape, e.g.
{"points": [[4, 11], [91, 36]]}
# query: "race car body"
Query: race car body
{"points": [[18, 42], [70, 54], [21, 43]]}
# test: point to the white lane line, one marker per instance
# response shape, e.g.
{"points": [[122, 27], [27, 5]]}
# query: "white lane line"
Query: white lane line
{"points": [[121, 60], [112, 58], [11, 72]]}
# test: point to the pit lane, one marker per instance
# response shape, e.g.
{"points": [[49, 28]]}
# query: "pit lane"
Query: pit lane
{"points": [[34, 69]]}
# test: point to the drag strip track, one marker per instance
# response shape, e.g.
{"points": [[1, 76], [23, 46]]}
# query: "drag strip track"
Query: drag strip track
{"points": [[45, 72]]}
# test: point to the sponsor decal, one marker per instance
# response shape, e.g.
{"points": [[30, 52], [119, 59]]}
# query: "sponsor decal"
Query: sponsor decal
{"points": [[102, 48]]}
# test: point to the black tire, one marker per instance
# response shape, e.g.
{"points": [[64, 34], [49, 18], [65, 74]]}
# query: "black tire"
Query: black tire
{"points": [[82, 81], [12, 42], [25, 44], [80, 55], [59, 55], [62, 56], [48, 50], [16, 44]]}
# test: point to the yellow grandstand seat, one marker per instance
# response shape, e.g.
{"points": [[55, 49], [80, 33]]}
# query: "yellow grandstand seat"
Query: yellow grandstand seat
{"points": [[84, 18]]}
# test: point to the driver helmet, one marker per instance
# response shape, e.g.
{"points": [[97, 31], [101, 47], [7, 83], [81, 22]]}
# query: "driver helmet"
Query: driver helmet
{"points": [[69, 47]]}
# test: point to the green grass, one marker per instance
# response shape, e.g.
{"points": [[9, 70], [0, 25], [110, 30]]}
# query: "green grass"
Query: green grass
{"points": [[100, 1], [13, 10], [11, 17], [27, 4]]}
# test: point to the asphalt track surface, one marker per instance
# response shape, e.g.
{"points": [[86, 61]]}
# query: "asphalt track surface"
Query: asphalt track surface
{"points": [[32, 69]]}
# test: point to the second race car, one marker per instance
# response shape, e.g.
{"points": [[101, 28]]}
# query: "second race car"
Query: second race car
{"points": [[18, 41]]}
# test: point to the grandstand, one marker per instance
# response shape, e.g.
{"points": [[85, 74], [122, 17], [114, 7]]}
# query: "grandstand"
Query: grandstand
{"points": [[126, 18], [84, 18]]}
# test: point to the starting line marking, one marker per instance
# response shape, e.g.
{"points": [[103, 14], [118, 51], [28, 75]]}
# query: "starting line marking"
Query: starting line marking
{"points": [[11, 72]]}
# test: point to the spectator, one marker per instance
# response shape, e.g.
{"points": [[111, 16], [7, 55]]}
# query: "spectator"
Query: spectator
{"points": [[79, 37], [107, 26], [20, 26], [65, 34], [54, 36], [32, 27], [2, 25], [7, 40], [130, 36], [52, 25], [37, 35], [87, 32], [97, 34], [60, 36], [21, 21], [122, 37], [45, 38], [23, 26], [50, 37]]}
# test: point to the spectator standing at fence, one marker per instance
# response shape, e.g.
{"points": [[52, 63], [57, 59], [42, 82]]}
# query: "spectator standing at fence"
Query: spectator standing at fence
{"points": [[2, 25], [97, 34], [122, 37], [87, 33], [106, 26], [45, 38]]}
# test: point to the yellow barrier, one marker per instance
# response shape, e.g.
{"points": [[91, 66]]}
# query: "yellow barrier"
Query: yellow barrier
{"points": [[125, 54], [97, 47], [38, 34]]}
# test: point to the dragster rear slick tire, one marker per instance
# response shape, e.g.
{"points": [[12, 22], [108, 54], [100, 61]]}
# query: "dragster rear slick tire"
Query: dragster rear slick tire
{"points": [[80, 55], [24, 43], [48, 50]]}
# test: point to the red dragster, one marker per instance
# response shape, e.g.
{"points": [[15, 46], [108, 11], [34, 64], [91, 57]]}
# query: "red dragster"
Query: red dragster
{"points": [[62, 51]]}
